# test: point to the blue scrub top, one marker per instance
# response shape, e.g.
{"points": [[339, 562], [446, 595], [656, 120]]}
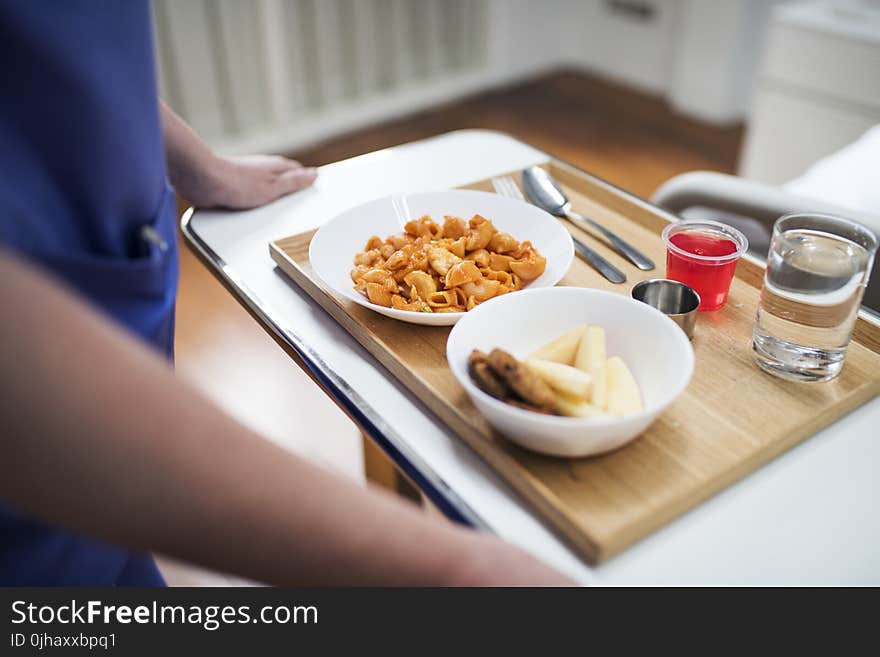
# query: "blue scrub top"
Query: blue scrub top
{"points": [[84, 196]]}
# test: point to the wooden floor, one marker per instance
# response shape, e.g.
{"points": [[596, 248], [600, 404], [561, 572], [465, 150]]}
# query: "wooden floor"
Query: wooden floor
{"points": [[628, 138]]}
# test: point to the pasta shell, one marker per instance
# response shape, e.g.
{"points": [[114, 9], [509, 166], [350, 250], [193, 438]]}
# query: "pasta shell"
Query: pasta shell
{"points": [[502, 277], [424, 284], [382, 277], [478, 237], [499, 262], [483, 290], [481, 256], [378, 295], [529, 268], [424, 227], [368, 258], [442, 299], [454, 227], [400, 241], [457, 247], [358, 272], [462, 272], [441, 259], [503, 243], [398, 259]]}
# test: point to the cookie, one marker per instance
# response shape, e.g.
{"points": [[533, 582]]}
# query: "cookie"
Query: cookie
{"points": [[522, 381]]}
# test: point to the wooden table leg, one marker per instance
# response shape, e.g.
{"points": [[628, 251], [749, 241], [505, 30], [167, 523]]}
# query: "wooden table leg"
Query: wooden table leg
{"points": [[380, 471]]}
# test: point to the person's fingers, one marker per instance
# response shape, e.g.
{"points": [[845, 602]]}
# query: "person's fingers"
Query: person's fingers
{"points": [[268, 163], [283, 164], [295, 180]]}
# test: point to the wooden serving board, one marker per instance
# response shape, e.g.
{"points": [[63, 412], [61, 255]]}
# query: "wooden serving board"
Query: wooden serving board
{"points": [[731, 419]]}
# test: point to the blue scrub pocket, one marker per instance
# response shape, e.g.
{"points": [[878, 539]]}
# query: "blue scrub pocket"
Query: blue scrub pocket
{"points": [[137, 292]]}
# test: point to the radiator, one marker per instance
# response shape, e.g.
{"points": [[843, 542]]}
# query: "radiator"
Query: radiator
{"points": [[276, 74]]}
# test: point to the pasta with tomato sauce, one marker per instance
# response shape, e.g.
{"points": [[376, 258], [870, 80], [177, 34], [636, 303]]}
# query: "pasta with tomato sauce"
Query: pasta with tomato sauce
{"points": [[445, 268]]}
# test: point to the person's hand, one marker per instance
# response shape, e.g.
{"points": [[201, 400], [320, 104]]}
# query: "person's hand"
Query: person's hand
{"points": [[240, 183], [491, 562], [209, 180]]}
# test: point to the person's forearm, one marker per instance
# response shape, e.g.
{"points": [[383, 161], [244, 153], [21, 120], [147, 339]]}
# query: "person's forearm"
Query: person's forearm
{"points": [[209, 180], [99, 435], [192, 165]]}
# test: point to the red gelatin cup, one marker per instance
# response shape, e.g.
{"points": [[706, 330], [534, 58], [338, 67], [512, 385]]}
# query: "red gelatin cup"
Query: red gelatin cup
{"points": [[703, 255]]}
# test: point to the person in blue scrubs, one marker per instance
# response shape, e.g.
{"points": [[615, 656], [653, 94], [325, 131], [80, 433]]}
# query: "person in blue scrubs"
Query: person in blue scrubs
{"points": [[85, 195], [98, 437]]}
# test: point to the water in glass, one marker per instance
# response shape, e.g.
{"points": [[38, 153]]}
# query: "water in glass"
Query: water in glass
{"points": [[812, 291]]}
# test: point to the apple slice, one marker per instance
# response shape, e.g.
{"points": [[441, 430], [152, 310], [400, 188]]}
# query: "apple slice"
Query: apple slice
{"points": [[562, 378], [623, 391], [574, 407], [562, 349], [590, 358]]}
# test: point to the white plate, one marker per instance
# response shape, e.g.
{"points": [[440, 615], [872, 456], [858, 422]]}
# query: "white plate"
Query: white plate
{"points": [[654, 348], [334, 246]]}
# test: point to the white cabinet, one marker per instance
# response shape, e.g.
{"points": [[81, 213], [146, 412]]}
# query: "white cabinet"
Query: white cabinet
{"points": [[818, 86]]}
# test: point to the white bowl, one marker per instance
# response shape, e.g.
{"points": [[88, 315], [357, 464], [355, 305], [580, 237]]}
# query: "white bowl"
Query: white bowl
{"points": [[656, 350], [334, 246]]}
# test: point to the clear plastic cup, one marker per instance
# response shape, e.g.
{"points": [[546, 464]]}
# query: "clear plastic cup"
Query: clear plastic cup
{"points": [[703, 255]]}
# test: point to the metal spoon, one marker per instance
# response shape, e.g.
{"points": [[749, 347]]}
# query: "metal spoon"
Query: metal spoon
{"points": [[506, 186], [545, 193]]}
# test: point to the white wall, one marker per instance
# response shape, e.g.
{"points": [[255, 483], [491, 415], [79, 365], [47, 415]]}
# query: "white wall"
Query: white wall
{"points": [[818, 87], [636, 51], [258, 75], [278, 74], [700, 54], [717, 52], [524, 36]]}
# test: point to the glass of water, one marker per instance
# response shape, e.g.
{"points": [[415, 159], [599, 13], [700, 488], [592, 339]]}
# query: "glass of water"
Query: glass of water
{"points": [[817, 270]]}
